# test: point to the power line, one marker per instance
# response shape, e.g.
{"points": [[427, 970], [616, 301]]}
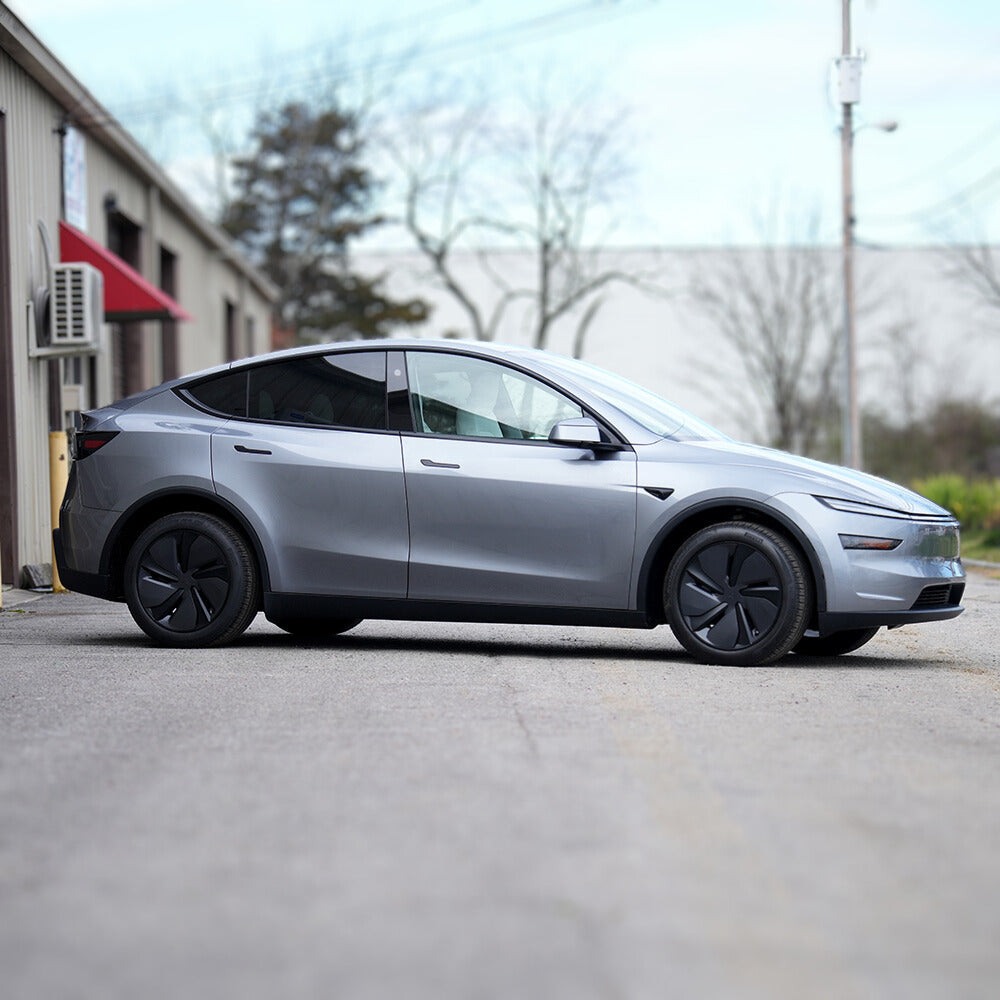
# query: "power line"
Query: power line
{"points": [[573, 17], [953, 201], [138, 107], [957, 156]]}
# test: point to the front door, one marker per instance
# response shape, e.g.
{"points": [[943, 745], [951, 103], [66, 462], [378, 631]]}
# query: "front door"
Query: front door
{"points": [[497, 514]]}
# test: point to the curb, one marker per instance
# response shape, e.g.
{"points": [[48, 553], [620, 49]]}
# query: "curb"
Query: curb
{"points": [[15, 597]]}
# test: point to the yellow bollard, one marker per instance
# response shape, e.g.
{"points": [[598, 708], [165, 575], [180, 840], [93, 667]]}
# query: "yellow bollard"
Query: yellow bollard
{"points": [[58, 478]]}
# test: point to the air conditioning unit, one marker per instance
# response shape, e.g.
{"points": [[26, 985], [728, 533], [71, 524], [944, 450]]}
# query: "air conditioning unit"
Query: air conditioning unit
{"points": [[76, 308]]}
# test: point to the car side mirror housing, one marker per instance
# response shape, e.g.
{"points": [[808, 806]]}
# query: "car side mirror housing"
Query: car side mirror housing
{"points": [[579, 432]]}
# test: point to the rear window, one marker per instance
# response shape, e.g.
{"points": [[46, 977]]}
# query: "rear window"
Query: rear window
{"points": [[223, 394], [335, 390], [330, 390]]}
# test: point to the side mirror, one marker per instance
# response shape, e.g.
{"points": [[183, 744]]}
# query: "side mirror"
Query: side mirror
{"points": [[581, 432]]}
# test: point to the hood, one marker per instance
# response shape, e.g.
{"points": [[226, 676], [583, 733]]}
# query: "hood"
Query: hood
{"points": [[794, 474]]}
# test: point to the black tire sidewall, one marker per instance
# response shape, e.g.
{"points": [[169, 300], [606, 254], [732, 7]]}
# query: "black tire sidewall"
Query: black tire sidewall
{"points": [[240, 605], [790, 624]]}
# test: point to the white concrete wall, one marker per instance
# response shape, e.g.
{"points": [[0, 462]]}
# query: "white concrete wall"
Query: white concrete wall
{"points": [[950, 345]]}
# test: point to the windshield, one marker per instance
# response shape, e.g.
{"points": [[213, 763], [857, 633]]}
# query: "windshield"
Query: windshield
{"points": [[644, 407]]}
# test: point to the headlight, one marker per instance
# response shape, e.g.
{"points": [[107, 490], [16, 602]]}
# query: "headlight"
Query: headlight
{"points": [[859, 507]]}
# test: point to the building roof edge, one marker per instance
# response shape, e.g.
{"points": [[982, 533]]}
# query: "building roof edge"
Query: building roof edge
{"points": [[85, 112]]}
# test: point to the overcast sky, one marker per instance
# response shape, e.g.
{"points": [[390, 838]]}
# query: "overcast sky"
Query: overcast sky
{"points": [[732, 102]]}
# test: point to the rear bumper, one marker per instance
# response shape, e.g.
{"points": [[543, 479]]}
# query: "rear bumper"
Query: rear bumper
{"points": [[93, 584]]}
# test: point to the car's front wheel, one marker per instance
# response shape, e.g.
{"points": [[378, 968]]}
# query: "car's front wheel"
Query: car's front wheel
{"points": [[191, 580], [737, 593]]}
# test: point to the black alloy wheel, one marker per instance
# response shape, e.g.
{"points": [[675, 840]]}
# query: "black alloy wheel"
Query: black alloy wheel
{"points": [[190, 580], [737, 593], [836, 643]]}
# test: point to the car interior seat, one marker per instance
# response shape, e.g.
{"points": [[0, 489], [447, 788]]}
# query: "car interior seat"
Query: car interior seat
{"points": [[477, 417]]}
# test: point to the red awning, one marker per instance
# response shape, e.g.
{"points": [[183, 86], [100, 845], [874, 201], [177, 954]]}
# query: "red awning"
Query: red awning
{"points": [[127, 294]]}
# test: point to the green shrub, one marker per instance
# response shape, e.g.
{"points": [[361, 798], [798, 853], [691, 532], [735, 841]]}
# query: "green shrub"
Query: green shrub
{"points": [[976, 503], [953, 436]]}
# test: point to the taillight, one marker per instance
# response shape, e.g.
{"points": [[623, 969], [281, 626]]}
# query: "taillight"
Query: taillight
{"points": [[87, 442]]}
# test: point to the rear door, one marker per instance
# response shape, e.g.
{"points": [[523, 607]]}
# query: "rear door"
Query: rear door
{"points": [[313, 468], [496, 513]]}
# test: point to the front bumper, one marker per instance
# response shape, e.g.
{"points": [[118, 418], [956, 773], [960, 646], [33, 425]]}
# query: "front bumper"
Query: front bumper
{"points": [[840, 621], [920, 580]]}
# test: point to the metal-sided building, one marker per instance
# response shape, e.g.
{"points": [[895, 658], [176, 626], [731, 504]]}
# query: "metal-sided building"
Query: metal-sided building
{"points": [[110, 279]]}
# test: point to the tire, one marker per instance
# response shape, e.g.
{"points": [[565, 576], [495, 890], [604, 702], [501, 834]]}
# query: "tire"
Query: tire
{"points": [[191, 580], [316, 628], [836, 643], [737, 594]]}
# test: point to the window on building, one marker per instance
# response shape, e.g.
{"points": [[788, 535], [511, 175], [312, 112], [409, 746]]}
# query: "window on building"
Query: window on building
{"points": [[232, 334], [170, 336], [127, 345]]}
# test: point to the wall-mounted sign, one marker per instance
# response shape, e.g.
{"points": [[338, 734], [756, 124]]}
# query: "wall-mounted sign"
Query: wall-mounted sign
{"points": [[75, 179]]}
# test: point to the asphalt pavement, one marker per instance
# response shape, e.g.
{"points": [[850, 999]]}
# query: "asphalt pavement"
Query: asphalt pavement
{"points": [[459, 811]]}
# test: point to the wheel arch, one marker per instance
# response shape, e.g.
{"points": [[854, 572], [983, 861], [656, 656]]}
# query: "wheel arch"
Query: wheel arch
{"points": [[173, 501], [672, 535]]}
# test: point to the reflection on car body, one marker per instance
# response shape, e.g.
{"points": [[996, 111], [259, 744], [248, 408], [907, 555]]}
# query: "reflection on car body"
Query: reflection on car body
{"points": [[429, 480]]}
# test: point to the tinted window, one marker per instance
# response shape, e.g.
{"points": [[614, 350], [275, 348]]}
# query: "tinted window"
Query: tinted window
{"points": [[223, 394], [336, 390], [470, 397]]}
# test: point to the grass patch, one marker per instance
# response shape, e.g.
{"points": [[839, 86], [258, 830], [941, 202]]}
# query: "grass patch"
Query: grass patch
{"points": [[980, 544]]}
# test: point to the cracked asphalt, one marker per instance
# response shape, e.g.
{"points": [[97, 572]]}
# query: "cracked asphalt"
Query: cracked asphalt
{"points": [[438, 811]]}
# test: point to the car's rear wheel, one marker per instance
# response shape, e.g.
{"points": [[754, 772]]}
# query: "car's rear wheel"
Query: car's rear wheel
{"points": [[737, 593], [316, 628], [835, 644], [191, 580]]}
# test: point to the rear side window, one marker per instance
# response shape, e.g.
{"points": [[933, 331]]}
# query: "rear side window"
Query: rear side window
{"points": [[332, 390], [223, 394]]}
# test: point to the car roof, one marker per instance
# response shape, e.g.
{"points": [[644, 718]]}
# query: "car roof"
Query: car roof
{"points": [[475, 347]]}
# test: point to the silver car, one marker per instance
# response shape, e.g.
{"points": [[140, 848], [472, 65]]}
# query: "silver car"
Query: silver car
{"points": [[446, 481]]}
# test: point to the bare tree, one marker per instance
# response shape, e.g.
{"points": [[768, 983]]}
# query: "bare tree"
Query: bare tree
{"points": [[435, 147], [977, 267], [778, 307], [539, 178]]}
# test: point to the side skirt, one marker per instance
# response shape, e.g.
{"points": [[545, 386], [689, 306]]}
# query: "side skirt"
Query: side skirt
{"points": [[279, 606]]}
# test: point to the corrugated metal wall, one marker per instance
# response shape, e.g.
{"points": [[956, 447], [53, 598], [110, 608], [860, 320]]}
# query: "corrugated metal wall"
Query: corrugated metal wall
{"points": [[205, 280], [34, 186]]}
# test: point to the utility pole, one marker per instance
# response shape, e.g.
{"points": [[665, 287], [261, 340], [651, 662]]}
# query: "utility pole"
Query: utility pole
{"points": [[849, 72]]}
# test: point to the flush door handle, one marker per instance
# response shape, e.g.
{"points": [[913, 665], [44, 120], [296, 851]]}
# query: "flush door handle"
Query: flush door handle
{"points": [[430, 464], [250, 451]]}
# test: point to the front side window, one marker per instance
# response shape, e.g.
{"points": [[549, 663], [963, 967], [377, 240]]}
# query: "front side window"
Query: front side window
{"points": [[331, 390], [470, 397]]}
